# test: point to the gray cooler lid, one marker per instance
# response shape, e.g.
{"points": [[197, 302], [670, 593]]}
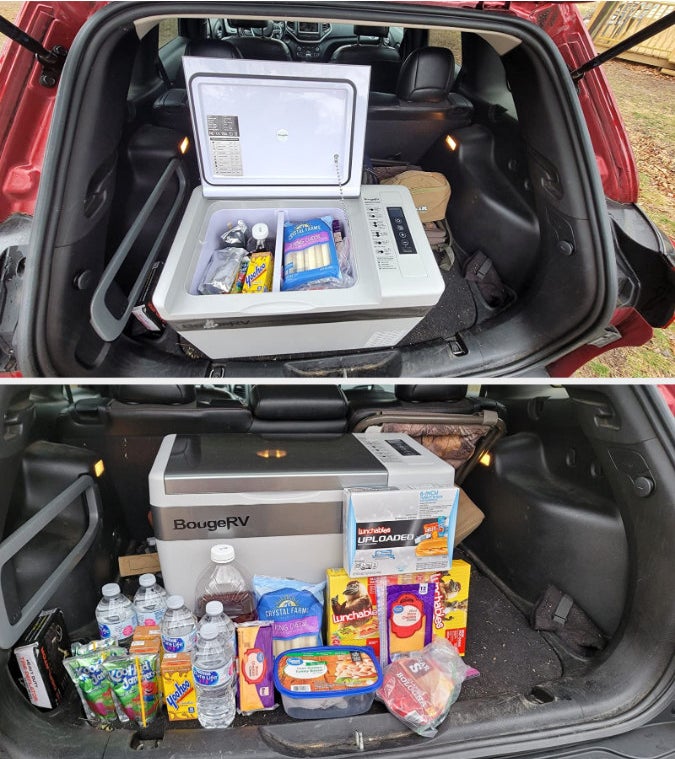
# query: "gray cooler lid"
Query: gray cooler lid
{"points": [[245, 463], [274, 128]]}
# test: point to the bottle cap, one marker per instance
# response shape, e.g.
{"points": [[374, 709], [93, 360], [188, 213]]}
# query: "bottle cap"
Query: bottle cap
{"points": [[147, 580], [111, 589], [175, 602], [214, 608], [260, 232], [222, 553], [209, 631]]}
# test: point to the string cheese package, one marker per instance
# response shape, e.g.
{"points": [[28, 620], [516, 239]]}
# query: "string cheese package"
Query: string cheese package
{"points": [[295, 609], [310, 256]]}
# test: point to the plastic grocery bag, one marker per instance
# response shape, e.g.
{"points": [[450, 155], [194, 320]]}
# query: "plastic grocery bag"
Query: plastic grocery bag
{"points": [[420, 687]]}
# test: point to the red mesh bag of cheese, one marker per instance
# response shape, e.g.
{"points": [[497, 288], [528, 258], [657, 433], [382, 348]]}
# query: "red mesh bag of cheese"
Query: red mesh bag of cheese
{"points": [[419, 688]]}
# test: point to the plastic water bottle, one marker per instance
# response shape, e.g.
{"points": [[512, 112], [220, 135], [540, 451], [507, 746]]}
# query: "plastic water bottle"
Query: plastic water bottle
{"points": [[115, 614], [224, 581], [216, 616], [149, 601], [179, 626], [213, 671]]}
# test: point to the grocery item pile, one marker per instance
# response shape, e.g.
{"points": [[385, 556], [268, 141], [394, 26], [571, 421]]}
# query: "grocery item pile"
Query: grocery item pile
{"points": [[390, 623]]}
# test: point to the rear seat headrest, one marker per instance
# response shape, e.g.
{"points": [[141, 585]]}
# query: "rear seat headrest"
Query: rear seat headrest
{"points": [[167, 395], [430, 393], [211, 49], [371, 31], [298, 402], [427, 75]]}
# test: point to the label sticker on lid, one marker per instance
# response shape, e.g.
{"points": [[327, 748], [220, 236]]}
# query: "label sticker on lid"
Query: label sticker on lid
{"points": [[225, 145]]}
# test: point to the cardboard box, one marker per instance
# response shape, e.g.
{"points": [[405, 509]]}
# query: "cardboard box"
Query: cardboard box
{"points": [[451, 604], [398, 530], [469, 517], [139, 564], [148, 632], [178, 687], [39, 654]]}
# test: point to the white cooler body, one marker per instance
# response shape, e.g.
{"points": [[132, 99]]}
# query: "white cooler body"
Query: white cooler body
{"points": [[283, 142], [282, 513]]}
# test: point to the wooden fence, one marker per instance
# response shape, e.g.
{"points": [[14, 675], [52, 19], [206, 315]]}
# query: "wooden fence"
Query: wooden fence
{"points": [[612, 22]]}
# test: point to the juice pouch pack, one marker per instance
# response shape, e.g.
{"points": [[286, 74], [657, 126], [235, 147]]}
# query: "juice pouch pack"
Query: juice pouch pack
{"points": [[135, 682], [93, 687]]}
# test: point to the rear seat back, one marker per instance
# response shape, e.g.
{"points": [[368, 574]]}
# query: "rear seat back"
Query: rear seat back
{"points": [[319, 410], [130, 427], [258, 48], [424, 108], [384, 61]]}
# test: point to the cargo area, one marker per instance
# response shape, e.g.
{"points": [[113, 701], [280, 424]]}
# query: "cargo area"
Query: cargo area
{"points": [[559, 475], [482, 100]]}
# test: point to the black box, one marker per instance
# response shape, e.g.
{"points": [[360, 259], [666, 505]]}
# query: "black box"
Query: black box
{"points": [[39, 654]]}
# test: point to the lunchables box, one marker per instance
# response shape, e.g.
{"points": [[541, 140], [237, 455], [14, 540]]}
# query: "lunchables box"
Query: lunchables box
{"points": [[451, 604], [391, 531], [351, 610]]}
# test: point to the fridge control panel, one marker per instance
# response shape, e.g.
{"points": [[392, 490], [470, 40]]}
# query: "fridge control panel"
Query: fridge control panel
{"points": [[393, 232]]}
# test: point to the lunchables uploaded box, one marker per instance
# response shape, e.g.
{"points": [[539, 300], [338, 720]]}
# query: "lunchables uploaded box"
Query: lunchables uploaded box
{"points": [[178, 687], [390, 531], [451, 603], [351, 610]]}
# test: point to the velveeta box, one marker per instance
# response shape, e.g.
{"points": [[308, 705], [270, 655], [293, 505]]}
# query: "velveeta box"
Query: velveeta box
{"points": [[178, 687], [451, 604], [351, 609]]}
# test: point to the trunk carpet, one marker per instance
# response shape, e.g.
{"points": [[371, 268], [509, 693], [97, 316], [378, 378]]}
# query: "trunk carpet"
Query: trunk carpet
{"points": [[454, 312], [510, 656]]}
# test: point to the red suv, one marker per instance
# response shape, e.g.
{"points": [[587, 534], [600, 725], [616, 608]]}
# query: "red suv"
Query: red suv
{"points": [[550, 261]]}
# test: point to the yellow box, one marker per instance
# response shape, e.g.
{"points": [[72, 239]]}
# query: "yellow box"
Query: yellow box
{"points": [[178, 687], [451, 602], [351, 608], [259, 273]]}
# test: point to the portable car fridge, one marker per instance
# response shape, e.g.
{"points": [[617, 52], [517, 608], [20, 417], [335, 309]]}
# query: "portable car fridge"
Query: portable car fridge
{"points": [[278, 501], [283, 142]]}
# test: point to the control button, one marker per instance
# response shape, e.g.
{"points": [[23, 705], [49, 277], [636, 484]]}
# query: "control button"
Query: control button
{"points": [[402, 231]]}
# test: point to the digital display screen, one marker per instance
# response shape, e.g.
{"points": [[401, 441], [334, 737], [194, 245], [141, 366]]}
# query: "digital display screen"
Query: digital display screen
{"points": [[403, 448], [308, 27]]}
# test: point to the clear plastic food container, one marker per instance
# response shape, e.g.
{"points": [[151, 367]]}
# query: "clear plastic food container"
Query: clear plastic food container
{"points": [[325, 682]]}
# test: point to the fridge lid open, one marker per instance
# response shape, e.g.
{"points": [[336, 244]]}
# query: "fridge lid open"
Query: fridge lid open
{"points": [[276, 128]]}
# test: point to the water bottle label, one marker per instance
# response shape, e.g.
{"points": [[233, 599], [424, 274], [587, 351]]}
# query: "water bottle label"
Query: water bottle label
{"points": [[149, 618], [119, 630], [213, 677], [179, 644]]}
